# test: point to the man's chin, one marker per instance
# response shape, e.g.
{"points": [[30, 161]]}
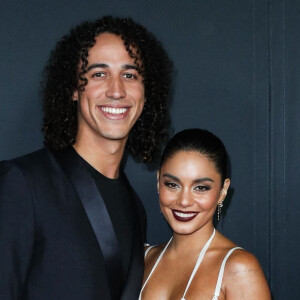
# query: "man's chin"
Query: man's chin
{"points": [[116, 136]]}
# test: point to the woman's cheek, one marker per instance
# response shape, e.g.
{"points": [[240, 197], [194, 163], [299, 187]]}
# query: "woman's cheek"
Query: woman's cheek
{"points": [[208, 201], [166, 197]]}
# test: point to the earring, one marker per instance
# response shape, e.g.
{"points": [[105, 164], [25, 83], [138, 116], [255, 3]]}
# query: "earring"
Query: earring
{"points": [[220, 205]]}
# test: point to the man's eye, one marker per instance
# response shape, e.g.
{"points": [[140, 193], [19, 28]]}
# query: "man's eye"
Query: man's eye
{"points": [[129, 76], [99, 74]]}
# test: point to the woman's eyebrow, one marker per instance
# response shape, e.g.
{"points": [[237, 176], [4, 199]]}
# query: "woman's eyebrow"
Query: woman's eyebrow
{"points": [[199, 180], [170, 176]]}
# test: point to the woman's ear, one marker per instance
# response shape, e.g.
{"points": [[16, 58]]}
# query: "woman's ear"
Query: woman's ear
{"points": [[224, 190]]}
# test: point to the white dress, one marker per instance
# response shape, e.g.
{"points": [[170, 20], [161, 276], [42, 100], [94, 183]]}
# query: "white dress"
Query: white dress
{"points": [[198, 262]]}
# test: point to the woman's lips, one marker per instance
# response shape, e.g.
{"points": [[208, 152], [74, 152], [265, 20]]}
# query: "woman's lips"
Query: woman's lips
{"points": [[184, 216]]}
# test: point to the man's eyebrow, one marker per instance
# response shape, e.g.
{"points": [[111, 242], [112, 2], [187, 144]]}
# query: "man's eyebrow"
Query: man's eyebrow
{"points": [[105, 66], [94, 66], [127, 67]]}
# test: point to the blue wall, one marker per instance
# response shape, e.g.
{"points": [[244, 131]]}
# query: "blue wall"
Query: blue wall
{"points": [[237, 74]]}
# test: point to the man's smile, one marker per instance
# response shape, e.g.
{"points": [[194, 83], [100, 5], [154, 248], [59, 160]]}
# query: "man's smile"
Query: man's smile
{"points": [[113, 110], [114, 113]]}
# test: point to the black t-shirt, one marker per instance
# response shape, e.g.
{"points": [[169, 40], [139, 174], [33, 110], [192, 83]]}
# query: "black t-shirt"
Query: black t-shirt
{"points": [[118, 198]]}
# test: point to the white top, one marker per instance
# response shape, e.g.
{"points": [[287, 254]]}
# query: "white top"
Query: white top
{"points": [[198, 262]]}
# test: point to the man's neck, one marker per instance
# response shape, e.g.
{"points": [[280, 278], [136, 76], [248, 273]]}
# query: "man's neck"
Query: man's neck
{"points": [[105, 157]]}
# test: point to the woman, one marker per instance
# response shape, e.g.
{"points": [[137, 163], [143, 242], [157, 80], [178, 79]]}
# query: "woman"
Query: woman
{"points": [[198, 262]]}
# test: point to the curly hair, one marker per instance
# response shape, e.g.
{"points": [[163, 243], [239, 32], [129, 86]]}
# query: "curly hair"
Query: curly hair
{"points": [[61, 79]]}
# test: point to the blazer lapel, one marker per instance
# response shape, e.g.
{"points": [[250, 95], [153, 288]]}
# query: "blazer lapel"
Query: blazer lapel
{"points": [[135, 275], [96, 211]]}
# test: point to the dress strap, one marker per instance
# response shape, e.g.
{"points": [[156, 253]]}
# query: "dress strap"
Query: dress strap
{"points": [[221, 273], [199, 260], [147, 251], [154, 267]]}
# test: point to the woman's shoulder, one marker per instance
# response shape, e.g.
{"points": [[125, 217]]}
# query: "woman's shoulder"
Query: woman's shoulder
{"points": [[239, 260], [151, 256], [153, 251], [243, 274]]}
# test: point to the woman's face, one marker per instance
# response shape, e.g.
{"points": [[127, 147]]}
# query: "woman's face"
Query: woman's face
{"points": [[189, 190]]}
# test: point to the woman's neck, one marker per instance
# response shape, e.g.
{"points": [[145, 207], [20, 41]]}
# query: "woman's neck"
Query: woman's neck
{"points": [[194, 242]]}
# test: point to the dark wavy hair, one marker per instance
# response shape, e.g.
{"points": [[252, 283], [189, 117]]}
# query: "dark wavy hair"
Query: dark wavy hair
{"points": [[202, 141], [61, 79]]}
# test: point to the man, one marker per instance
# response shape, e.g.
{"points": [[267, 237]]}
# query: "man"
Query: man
{"points": [[71, 227]]}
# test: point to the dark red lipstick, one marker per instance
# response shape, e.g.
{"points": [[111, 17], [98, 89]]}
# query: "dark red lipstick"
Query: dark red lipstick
{"points": [[184, 216]]}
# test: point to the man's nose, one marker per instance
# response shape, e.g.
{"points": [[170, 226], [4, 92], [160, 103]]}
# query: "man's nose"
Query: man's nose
{"points": [[185, 199], [115, 88]]}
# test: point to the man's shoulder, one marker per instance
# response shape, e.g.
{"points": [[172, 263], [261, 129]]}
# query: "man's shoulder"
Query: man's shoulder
{"points": [[31, 161], [32, 156], [35, 158]]}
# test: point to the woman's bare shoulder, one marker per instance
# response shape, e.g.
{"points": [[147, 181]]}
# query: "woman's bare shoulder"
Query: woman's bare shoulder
{"points": [[244, 277], [242, 261], [153, 251]]}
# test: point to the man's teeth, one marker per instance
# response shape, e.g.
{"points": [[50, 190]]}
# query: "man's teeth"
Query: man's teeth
{"points": [[115, 111], [184, 215]]}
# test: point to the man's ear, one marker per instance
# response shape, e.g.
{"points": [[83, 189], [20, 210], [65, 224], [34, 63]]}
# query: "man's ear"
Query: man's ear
{"points": [[75, 95], [224, 190]]}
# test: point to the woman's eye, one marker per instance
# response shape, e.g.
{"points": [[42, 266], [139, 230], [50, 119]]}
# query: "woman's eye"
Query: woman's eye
{"points": [[202, 188], [171, 185]]}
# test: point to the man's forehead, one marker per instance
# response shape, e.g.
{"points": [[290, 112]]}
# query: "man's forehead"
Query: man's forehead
{"points": [[109, 43], [110, 47]]}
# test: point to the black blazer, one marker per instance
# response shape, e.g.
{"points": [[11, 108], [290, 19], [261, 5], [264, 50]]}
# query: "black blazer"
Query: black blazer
{"points": [[48, 247]]}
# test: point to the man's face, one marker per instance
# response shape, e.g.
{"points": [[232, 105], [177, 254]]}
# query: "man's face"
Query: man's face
{"points": [[113, 99]]}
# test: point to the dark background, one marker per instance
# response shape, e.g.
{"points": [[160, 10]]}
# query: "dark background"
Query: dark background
{"points": [[237, 75]]}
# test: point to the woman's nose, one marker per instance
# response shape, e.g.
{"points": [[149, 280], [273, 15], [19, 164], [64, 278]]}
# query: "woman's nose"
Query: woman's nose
{"points": [[185, 199]]}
